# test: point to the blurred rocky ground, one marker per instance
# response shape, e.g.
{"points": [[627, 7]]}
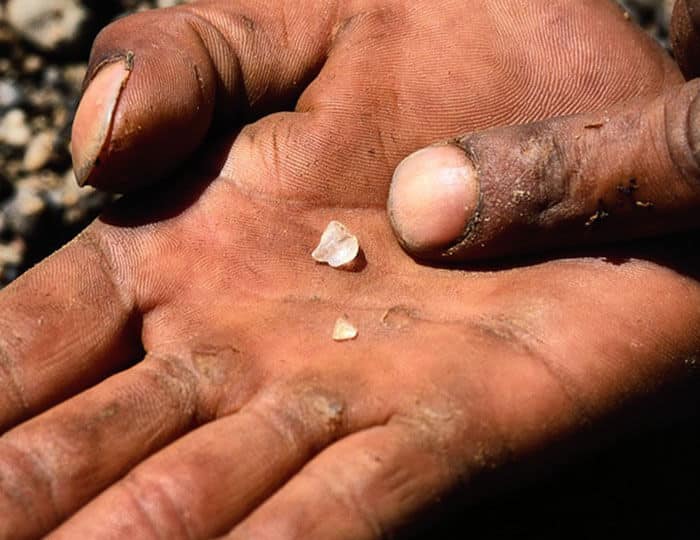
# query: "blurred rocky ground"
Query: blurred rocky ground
{"points": [[44, 45]]}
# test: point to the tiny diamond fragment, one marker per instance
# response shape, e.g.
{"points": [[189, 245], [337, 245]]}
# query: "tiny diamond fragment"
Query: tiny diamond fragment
{"points": [[338, 246], [344, 330]]}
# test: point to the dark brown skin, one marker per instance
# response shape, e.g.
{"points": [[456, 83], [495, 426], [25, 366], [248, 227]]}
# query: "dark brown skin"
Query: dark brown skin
{"points": [[630, 170], [685, 36], [244, 417]]}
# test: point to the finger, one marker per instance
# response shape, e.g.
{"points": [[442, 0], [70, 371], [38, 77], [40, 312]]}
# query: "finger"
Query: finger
{"points": [[58, 461], [626, 173], [65, 324], [158, 79], [209, 480], [363, 487], [685, 36]]}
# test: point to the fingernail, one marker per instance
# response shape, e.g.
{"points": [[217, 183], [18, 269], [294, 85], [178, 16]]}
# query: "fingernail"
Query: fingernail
{"points": [[92, 128], [434, 195]]}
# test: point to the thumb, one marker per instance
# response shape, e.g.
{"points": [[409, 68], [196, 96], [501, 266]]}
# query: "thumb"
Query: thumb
{"points": [[625, 173], [158, 81]]}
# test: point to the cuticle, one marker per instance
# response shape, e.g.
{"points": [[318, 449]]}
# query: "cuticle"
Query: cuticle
{"points": [[128, 59], [471, 228]]}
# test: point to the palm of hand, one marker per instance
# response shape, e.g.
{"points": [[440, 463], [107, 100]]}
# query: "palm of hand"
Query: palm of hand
{"points": [[452, 371]]}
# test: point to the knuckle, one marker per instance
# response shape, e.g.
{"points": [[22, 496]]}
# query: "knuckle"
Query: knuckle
{"points": [[180, 379], [305, 415], [155, 510], [26, 489], [682, 130], [518, 336], [693, 126], [111, 260], [281, 146], [353, 502], [531, 186], [370, 23]]}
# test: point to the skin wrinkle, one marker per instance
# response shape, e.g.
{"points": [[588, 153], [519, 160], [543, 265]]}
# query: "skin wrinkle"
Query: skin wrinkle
{"points": [[39, 475], [251, 29], [241, 531], [141, 493], [176, 372], [93, 429], [125, 296], [164, 373], [197, 72], [11, 384], [221, 94], [353, 503]]}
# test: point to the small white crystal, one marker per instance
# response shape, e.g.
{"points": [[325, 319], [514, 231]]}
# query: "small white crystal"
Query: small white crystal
{"points": [[338, 246], [344, 330]]}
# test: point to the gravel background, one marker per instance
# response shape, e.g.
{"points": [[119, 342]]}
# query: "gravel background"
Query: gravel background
{"points": [[43, 48]]}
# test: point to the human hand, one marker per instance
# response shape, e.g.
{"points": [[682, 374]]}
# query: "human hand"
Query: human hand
{"points": [[244, 414], [623, 172]]}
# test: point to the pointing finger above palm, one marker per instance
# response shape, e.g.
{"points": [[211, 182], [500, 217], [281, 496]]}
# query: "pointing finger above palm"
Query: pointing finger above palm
{"points": [[620, 172]]}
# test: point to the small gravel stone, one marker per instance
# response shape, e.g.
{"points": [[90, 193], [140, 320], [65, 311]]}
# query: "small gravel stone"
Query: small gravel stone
{"points": [[24, 212], [10, 94], [32, 64], [338, 246], [168, 3], [39, 151], [49, 24], [344, 330], [11, 254], [14, 130]]}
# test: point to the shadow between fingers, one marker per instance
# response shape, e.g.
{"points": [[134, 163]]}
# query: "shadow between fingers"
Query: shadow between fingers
{"points": [[170, 198], [679, 252]]}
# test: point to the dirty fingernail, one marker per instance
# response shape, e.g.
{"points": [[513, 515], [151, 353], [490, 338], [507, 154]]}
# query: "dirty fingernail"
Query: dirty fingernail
{"points": [[93, 125], [434, 195]]}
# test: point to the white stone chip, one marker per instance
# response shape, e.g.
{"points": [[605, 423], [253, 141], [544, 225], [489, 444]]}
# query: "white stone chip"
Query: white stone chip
{"points": [[338, 246], [344, 330]]}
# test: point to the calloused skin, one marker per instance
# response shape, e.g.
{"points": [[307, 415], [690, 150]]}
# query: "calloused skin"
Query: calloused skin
{"points": [[243, 417]]}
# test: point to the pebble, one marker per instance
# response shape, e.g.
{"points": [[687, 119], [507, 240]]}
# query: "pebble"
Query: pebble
{"points": [[14, 130], [24, 211], [11, 253], [10, 94], [168, 3], [39, 151], [338, 246], [49, 24], [344, 330]]}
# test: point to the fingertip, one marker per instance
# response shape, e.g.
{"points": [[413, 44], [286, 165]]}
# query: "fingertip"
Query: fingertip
{"points": [[94, 120], [434, 196]]}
